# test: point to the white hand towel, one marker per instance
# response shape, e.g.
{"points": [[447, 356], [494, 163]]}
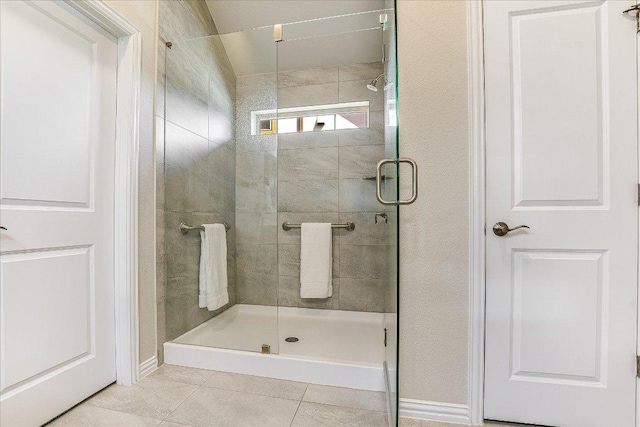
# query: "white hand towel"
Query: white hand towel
{"points": [[213, 267], [315, 261]]}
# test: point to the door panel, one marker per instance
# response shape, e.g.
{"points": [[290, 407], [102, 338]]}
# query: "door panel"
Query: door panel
{"points": [[561, 105], [62, 281], [53, 169], [57, 150], [547, 85]]}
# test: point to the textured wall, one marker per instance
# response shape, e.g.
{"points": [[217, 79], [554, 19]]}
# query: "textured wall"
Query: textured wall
{"points": [[434, 280], [319, 178], [143, 14], [199, 156]]}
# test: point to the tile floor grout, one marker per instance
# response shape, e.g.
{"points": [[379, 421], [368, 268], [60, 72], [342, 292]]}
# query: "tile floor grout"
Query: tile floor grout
{"points": [[181, 403], [170, 382], [299, 403]]}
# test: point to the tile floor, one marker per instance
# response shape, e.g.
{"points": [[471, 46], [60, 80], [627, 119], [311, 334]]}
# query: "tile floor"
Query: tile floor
{"points": [[412, 422], [175, 396]]}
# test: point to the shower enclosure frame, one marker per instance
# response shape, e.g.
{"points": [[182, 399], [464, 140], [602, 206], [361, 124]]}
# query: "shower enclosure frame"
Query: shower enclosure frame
{"points": [[283, 366]]}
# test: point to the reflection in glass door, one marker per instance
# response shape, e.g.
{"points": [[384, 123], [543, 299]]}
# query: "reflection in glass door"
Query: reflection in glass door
{"points": [[336, 119]]}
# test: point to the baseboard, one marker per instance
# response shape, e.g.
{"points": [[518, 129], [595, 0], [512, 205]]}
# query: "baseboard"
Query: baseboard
{"points": [[435, 411], [147, 367]]}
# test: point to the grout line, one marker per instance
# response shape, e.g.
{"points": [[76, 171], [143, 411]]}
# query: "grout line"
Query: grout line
{"points": [[181, 403], [252, 393], [299, 403], [348, 407]]}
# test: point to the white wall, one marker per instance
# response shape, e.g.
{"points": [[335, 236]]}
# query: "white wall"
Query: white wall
{"points": [[434, 245]]}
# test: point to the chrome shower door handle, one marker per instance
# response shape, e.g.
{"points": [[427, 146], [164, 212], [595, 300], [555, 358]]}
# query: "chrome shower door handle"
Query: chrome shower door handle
{"points": [[414, 181], [379, 181]]}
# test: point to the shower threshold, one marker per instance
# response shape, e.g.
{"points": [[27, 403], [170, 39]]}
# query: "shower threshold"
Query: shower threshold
{"points": [[339, 348]]}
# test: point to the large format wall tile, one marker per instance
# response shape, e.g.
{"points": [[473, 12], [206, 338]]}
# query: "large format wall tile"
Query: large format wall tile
{"points": [[308, 196], [365, 72], [312, 163], [358, 195], [293, 141], [256, 228], [363, 262], [255, 166], [318, 179], [309, 76], [367, 232], [362, 294], [289, 295], [359, 162], [199, 156], [256, 197], [356, 90], [373, 135], [298, 96]]}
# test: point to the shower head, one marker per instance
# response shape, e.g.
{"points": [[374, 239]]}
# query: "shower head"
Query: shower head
{"points": [[372, 86]]}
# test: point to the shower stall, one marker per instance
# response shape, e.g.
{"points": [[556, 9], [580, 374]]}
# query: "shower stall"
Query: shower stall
{"points": [[266, 129]]}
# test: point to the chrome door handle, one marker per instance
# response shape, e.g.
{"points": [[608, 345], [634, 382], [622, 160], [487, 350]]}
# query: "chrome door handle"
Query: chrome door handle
{"points": [[635, 8], [501, 228], [414, 181]]}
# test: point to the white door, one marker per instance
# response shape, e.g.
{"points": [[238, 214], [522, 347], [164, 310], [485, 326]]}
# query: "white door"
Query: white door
{"points": [[562, 158], [57, 136]]}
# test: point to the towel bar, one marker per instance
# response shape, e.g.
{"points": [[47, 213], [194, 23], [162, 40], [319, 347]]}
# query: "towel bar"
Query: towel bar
{"points": [[184, 228], [286, 226]]}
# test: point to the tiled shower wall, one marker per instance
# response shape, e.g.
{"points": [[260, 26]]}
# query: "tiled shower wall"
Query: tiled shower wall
{"points": [[196, 168], [319, 179]]}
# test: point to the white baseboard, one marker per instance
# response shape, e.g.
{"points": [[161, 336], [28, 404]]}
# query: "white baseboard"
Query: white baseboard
{"points": [[147, 367], [435, 411]]}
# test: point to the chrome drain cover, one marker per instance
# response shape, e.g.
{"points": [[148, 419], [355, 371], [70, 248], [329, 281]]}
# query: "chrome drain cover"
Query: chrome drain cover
{"points": [[291, 339]]}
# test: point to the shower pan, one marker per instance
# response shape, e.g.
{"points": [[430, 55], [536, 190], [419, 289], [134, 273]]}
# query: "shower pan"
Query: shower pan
{"points": [[266, 129]]}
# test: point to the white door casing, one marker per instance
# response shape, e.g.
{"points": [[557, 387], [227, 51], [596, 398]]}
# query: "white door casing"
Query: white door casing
{"points": [[562, 157], [57, 180]]}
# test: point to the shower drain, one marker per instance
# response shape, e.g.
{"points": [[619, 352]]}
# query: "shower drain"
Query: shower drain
{"points": [[291, 339]]}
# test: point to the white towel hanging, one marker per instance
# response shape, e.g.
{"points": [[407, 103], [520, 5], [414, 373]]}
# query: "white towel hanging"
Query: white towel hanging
{"points": [[315, 260], [213, 267]]}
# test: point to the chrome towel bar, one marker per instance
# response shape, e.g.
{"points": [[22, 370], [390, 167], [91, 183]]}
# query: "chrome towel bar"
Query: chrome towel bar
{"points": [[184, 228], [286, 226]]}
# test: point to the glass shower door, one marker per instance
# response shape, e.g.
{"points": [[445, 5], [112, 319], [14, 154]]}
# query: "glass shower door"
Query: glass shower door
{"points": [[390, 191], [218, 168], [336, 119]]}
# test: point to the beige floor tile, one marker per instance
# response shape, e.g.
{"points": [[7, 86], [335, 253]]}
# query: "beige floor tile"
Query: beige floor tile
{"points": [[427, 423], [181, 374], [170, 424], [410, 422], [213, 407], [151, 397], [360, 399], [90, 416], [317, 415], [257, 385]]}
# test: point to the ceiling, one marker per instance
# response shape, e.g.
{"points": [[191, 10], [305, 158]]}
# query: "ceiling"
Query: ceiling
{"points": [[352, 36], [238, 15]]}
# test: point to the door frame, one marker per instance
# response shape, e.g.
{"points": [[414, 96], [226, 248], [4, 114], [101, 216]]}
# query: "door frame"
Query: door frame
{"points": [[477, 217], [126, 182], [477, 190]]}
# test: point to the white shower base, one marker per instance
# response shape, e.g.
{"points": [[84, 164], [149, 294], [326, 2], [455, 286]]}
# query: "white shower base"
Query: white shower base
{"points": [[340, 348]]}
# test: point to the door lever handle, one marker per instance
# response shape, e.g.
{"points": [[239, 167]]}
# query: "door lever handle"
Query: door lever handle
{"points": [[3, 228], [501, 228], [635, 8]]}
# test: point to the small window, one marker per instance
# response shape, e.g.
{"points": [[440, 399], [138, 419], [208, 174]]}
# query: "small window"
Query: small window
{"points": [[317, 118]]}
